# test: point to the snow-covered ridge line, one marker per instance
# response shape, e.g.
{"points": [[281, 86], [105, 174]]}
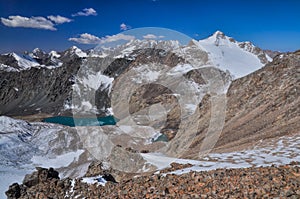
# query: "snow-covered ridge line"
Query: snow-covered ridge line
{"points": [[240, 58], [13, 62], [224, 52]]}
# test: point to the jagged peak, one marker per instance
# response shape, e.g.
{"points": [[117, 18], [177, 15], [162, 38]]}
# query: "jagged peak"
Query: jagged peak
{"points": [[12, 54], [77, 51], [36, 50], [218, 32], [73, 48], [54, 53]]}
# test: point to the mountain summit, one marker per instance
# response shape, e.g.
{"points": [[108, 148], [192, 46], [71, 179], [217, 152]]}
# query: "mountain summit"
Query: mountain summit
{"points": [[240, 58]]}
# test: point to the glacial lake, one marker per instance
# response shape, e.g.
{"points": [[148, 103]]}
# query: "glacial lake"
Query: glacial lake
{"points": [[100, 121], [70, 121]]}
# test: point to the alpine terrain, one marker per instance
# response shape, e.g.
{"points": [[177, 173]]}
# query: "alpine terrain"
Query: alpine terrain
{"points": [[213, 118]]}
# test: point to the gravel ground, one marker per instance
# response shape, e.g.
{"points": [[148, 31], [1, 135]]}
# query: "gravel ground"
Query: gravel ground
{"points": [[254, 182]]}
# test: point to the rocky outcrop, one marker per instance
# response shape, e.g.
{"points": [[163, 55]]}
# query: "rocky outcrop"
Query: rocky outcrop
{"points": [[261, 54], [40, 176], [42, 179], [272, 53]]}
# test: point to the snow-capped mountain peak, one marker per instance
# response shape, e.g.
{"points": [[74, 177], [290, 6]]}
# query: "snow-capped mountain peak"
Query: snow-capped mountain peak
{"points": [[218, 34], [37, 53], [24, 61], [37, 50], [54, 54], [240, 58], [219, 39], [75, 51]]}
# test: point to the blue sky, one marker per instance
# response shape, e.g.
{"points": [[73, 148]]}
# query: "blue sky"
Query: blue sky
{"points": [[270, 24]]}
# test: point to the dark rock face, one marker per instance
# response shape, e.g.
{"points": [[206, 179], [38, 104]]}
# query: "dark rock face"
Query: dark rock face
{"points": [[43, 90], [108, 177], [117, 67], [14, 191], [158, 56], [9, 60], [36, 90]]}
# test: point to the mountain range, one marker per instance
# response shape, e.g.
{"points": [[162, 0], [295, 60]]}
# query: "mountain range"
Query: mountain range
{"points": [[213, 103], [52, 95]]}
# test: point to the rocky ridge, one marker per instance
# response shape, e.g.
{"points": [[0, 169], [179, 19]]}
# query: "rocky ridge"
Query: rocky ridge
{"points": [[261, 105]]}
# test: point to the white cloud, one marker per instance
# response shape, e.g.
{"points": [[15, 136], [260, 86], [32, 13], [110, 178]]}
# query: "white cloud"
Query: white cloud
{"points": [[123, 26], [25, 22], [116, 37], [59, 19], [152, 36], [86, 12], [91, 39], [86, 39]]}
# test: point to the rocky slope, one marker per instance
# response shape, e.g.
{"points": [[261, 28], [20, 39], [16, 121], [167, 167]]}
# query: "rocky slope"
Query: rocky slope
{"points": [[261, 105], [263, 182], [38, 84]]}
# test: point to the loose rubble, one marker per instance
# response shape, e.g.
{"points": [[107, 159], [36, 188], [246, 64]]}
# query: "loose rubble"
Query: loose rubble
{"points": [[254, 182]]}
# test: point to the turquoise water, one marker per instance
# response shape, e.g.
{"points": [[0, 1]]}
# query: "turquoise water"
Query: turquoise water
{"points": [[100, 121], [162, 138], [70, 121]]}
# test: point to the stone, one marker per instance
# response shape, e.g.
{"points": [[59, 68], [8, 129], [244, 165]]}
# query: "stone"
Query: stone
{"points": [[14, 191]]}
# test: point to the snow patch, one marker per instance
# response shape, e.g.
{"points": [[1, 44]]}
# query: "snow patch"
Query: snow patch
{"points": [[62, 160], [25, 62], [92, 180], [181, 69], [7, 68], [94, 81], [54, 54], [279, 152], [145, 74]]}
